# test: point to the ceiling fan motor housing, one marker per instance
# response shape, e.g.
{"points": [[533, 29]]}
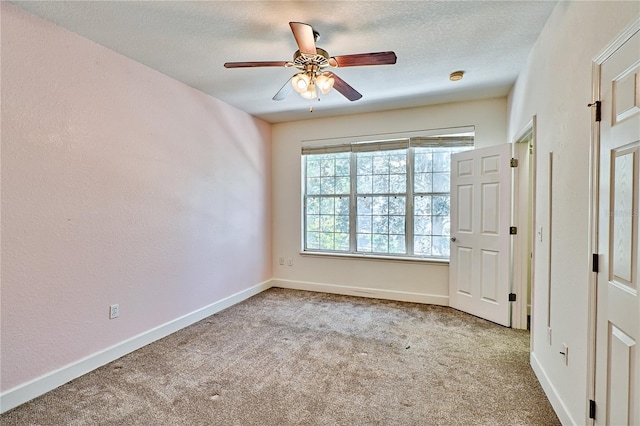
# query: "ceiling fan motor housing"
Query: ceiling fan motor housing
{"points": [[302, 60]]}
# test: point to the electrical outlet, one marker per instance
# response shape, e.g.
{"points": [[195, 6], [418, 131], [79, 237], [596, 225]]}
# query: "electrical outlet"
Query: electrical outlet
{"points": [[281, 261], [114, 311]]}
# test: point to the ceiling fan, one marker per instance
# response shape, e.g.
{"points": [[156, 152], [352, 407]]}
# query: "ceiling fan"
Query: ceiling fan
{"points": [[312, 63]]}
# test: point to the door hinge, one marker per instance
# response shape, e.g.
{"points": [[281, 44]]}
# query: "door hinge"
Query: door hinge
{"points": [[513, 230], [598, 106], [595, 263], [592, 409], [512, 297], [513, 162]]}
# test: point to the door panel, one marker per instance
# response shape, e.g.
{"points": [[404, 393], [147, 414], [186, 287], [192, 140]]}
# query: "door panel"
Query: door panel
{"points": [[480, 207], [620, 367], [618, 302], [490, 276]]}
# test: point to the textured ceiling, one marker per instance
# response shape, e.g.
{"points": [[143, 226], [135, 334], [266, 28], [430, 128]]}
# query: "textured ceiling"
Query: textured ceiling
{"points": [[190, 41]]}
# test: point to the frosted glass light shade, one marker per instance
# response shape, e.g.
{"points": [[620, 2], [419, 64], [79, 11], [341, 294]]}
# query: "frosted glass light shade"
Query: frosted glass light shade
{"points": [[325, 83], [310, 93], [300, 82]]}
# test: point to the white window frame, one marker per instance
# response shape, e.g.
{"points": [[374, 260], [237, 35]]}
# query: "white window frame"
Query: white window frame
{"points": [[409, 141]]}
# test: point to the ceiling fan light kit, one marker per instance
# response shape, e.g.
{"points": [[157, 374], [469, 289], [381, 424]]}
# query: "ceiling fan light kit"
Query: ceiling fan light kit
{"points": [[311, 61]]}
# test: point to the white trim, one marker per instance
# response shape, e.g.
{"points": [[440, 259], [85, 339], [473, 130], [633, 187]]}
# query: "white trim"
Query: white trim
{"points": [[377, 257], [402, 296], [47, 382], [526, 229], [552, 394]]}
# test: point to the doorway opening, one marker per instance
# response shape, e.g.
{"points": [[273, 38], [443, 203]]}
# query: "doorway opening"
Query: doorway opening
{"points": [[523, 208]]}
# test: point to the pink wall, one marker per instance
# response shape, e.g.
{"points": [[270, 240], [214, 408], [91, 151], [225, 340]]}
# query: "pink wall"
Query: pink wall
{"points": [[119, 185]]}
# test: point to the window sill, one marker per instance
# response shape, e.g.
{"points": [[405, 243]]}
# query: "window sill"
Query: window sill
{"points": [[376, 257]]}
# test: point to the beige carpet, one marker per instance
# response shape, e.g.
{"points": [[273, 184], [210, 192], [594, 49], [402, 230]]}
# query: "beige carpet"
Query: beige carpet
{"points": [[289, 357]]}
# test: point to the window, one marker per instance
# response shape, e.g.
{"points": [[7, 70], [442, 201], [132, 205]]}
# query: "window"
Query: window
{"points": [[386, 197]]}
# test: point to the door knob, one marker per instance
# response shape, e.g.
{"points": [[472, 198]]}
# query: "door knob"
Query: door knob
{"points": [[453, 239]]}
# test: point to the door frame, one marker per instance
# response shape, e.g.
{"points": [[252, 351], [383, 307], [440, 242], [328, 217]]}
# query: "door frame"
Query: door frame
{"points": [[525, 245], [594, 202]]}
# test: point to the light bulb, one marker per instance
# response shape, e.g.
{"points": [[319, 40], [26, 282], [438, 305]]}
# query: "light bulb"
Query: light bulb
{"points": [[325, 82], [300, 82]]}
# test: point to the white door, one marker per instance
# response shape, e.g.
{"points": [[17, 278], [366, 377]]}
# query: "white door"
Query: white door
{"points": [[480, 214], [618, 304]]}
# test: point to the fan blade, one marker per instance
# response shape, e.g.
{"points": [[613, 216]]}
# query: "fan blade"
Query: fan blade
{"points": [[303, 33], [347, 91], [284, 91], [255, 64], [360, 59]]}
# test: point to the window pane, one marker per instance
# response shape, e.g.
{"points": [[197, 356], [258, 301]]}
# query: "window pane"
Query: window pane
{"points": [[441, 161], [440, 225], [381, 163], [380, 184], [398, 163], [343, 185], [380, 225], [313, 223], [364, 242], [397, 184], [422, 161], [422, 182], [379, 205], [342, 242], [380, 243], [313, 240], [342, 224], [313, 186], [441, 182], [328, 185], [313, 167], [422, 245], [364, 225], [441, 205], [422, 225], [397, 205], [342, 206], [365, 184], [364, 205], [313, 205], [440, 246], [327, 167], [397, 244], [422, 205], [364, 164], [327, 241], [327, 205], [342, 167], [396, 225], [327, 223]]}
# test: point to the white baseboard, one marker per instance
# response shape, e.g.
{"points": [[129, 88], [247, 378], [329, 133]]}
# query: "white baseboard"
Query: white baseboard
{"points": [[43, 384], [402, 296], [552, 394]]}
